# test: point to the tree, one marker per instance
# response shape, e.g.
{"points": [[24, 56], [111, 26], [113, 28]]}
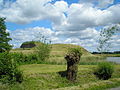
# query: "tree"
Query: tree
{"points": [[4, 37], [105, 37], [73, 57], [43, 49]]}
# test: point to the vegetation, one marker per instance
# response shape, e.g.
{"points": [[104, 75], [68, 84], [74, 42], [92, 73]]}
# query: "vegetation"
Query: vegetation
{"points": [[9, 72], [108, 55], [115, 52], [76, 51], [37, 54], [58, 51], [73, 58], [8, 69], [43, 51], [104, 71], [4, 37], [105, 37], [20, 58], [45, 77]]}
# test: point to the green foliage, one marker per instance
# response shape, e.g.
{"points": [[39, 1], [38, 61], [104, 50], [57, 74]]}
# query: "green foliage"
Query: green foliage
{"points": [[76, 51], [4, 39], [25, 59], [8, 69], [105, 37], [29, 42], [43, 51], [104, 70], [73, 58]]}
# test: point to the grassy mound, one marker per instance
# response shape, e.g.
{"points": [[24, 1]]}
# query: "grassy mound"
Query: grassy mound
{"points": [[58, 52]]}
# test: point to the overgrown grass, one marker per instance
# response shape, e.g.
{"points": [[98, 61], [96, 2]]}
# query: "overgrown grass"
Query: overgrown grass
{"points": [[45, 77]]}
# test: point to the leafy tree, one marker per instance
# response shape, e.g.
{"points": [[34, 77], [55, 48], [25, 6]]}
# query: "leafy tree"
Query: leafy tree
{"points": [[4, 37], [105, 37]]}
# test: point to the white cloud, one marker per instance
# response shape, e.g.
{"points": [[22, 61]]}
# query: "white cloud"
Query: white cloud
{"points": [[98, 3], [29, 34], [77, 26], [61, 6], [25, 11], [104, 3]]}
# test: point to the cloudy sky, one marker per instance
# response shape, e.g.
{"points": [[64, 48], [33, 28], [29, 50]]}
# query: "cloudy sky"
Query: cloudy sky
{"points": [[61, 21]]}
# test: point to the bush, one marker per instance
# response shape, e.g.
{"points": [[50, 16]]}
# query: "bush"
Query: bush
{"points": [[8, 69], [104, 70], [43, 51], [24, 59], [18, 57], [75, 51]]}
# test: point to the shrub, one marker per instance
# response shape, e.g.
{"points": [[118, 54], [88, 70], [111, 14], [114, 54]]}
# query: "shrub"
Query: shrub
{"points": [[104, 70], [24, 59], [8, 69], [75, 51], [43, 51], [18, 57]]}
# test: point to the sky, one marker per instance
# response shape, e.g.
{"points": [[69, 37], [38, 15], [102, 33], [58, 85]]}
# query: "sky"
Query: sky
{"points": [[61, 21]]}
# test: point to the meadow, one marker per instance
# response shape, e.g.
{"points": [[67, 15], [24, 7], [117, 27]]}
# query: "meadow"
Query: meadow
{"points": [[45, 77], [49, 75]]}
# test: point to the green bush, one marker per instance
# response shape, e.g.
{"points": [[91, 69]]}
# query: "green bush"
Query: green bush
{"points": [[104, 70], [18, 57], [24, 59], [43, 51], [75, 50], [8, 69]]}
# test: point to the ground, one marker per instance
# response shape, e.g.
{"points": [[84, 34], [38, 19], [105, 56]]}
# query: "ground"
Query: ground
{"points": [[48, 76], [45, 76]]}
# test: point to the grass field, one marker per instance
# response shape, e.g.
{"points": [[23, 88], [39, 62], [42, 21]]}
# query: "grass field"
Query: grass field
{"points": [[45, 77]]}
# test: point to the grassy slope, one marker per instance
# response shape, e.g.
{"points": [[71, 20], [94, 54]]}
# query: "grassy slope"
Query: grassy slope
{"points": [[59, 50], [44, 77]]}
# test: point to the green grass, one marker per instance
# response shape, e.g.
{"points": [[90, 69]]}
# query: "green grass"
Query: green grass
{"points": [[108, 55], [45, 77]]}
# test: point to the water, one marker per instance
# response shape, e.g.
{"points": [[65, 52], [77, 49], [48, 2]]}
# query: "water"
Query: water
{"points": [[113, 59]]}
